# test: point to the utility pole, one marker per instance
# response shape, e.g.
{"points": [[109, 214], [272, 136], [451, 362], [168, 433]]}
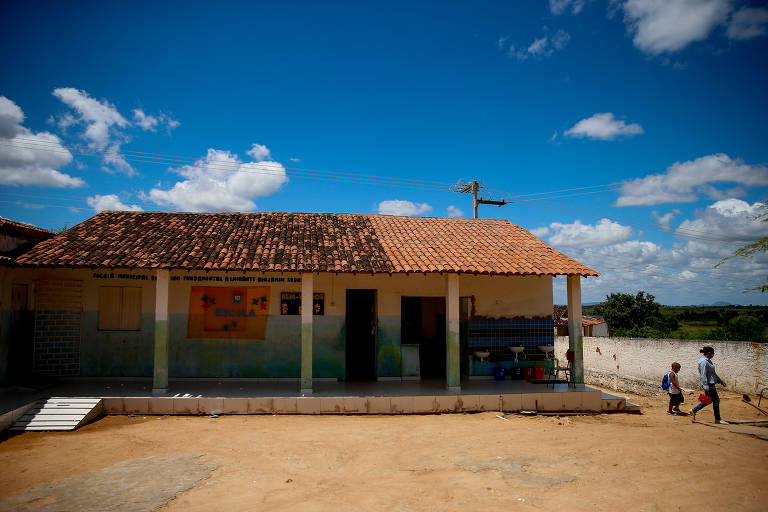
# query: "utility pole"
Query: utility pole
{"points": [[474, 187]]}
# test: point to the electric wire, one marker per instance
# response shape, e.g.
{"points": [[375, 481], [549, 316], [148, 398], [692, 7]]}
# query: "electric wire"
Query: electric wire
{"points": [[687, 236], [177, 159], [352, 178], [682, 232], [236, 167]]}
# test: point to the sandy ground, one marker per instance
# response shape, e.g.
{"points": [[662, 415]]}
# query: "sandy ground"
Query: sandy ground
{"points": [[448, 462]]}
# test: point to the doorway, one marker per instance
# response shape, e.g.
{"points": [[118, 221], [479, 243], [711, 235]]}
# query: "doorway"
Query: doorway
{"points": [[423, 324], [20, 335], [361, 335]]}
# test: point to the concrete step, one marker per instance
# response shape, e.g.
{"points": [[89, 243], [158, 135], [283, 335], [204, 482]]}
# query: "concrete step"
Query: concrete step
{"points": [[613, 403], [59, 414]]}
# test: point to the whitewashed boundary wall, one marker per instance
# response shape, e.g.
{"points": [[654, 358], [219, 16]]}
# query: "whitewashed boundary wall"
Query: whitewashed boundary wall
{"points": [[637, 364]]}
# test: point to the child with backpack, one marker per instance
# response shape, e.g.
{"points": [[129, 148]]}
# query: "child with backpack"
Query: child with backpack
{"points": [[670, 384]]}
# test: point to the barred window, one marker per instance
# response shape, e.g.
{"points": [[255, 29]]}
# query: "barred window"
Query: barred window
{"points": [[290, 303]]}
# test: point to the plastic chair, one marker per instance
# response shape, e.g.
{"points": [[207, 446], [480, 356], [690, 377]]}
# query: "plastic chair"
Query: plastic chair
{"points": [[567, 371]]}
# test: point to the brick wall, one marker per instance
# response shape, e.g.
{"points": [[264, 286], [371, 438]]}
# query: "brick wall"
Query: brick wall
{"points": [[58, 321]]}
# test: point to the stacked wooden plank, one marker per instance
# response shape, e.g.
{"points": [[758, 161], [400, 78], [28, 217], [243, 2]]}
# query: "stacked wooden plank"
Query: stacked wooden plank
{"points": [[59, 414]]}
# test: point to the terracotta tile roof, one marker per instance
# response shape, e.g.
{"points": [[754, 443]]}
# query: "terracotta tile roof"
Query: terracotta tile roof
{"points": [[307, 242], [558, 313], [22, 228], [560, 317]]}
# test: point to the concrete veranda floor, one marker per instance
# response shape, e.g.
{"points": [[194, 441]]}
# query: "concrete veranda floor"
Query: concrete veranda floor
{"points": [[17, 396]]}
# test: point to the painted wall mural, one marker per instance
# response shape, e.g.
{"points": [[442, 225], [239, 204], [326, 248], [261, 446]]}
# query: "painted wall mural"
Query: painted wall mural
{"points": [[228, 312]]}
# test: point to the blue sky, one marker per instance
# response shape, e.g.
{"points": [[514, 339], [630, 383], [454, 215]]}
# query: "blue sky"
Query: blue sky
{"points": [[658, 106]]}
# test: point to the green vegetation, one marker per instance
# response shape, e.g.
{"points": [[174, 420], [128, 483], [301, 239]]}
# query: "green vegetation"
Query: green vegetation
{"points": [[749, 250], [642, 317], [633, 315]]}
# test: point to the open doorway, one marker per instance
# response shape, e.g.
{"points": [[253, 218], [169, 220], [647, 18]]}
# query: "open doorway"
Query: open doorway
{"points": [[423, 324], [20, 335], [361, 335]]}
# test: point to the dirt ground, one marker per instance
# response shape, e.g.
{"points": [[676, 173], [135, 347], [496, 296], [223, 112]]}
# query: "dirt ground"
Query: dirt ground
{"points": [[446, 462]]}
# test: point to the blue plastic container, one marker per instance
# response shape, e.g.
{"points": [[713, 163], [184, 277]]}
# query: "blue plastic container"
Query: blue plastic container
{"points": [[498, 373]]}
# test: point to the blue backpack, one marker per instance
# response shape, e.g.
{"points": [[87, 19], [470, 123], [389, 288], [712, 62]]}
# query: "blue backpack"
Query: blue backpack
{"points": [[665, 381]]}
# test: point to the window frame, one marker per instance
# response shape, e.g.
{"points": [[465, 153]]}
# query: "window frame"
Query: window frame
{"points": [[121, 318]]}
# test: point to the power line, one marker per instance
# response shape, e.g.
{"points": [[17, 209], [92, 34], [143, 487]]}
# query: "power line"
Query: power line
{"points": [[236, 167], [682, 232], [607, 187], [686, 233], [185, 160], [360, 179]]}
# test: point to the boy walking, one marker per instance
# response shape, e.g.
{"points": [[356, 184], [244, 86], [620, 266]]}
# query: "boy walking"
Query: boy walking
{"points": [[675, 392]]}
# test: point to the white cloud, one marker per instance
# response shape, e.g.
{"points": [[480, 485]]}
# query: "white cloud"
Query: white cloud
{"points": [[560, 39], [11, 117], [150, 123], [452, 211], [103, 126], [542, 47], [603, 126], [748, 22], [146, 122], [295, 160], [665, 220], [221, 182], [560, 6], [98, 116], [539, 232], [662, 26], [538, 46], [171, 124], [398, 207], [28, 158], [730, 220], [115, 161], [683, 182], [605, 232], [259, 152], [110, 202], [684, 273]]}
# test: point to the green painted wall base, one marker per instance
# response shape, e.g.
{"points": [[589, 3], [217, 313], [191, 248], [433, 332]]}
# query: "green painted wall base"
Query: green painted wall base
{"points": [[160, 378]]}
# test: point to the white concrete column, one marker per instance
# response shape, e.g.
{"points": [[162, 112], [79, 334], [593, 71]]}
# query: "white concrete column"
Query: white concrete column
{"points": [[452, 350], [306, 332], [575, 331], [160, 380]]}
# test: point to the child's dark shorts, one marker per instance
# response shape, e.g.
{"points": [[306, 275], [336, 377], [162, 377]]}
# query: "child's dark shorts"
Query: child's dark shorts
{"points": [[676, 399]]}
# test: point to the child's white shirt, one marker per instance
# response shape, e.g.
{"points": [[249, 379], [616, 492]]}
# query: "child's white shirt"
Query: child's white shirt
{"points": [[673, 390]]}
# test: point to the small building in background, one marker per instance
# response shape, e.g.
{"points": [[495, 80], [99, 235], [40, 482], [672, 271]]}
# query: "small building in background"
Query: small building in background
{"points": [[591, 325], [18, 237], [16, 318]]}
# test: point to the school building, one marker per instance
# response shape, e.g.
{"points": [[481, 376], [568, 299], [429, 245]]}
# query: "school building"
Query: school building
{"points": [[303, 296]]}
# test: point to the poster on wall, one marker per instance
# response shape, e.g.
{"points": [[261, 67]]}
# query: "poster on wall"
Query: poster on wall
{"points": [[228, 312], [290, 303]]}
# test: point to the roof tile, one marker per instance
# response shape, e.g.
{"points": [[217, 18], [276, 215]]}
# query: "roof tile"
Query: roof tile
{"points": [[305, 242]]}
